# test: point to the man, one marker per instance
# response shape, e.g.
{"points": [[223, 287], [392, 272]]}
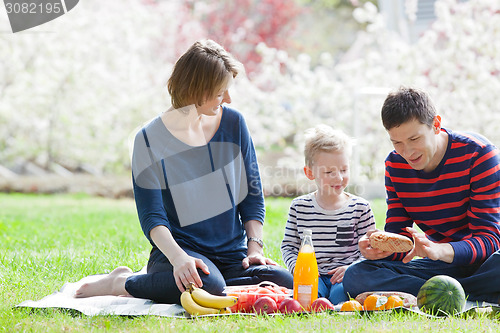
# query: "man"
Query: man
{"points": [[447, 183]]}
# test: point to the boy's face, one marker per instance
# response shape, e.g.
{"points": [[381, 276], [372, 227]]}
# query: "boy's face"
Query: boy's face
{"points": [[330, 171], [417, 144]]}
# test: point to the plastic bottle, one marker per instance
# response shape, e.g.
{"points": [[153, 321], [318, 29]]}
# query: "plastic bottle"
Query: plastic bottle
{"points": [[305, 276]]}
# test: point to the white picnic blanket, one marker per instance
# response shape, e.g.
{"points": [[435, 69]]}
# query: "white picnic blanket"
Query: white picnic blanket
{"points": [[104, 305]]}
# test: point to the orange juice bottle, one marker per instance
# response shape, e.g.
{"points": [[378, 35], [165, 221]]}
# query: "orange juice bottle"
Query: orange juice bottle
{"points": [[305, 276]]}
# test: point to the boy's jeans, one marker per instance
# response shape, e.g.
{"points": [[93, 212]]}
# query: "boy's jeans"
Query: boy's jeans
{"points": [[334, 292]]}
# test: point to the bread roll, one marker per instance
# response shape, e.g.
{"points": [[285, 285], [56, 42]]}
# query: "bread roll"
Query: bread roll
{"points": [[391, 242]]}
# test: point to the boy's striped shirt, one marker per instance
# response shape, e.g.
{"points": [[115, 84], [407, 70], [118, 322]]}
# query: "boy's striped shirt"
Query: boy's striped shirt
{"points": [[457, 203], [335, 234]]}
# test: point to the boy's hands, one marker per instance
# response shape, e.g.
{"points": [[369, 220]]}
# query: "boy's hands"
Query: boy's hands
{"points": [[337, 274], [367, 251]]}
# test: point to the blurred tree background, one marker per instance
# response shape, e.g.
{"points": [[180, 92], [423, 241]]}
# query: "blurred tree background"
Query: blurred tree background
{"points": [[73, 91]]}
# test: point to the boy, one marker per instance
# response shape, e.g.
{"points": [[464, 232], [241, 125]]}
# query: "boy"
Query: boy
{"points": [[338, 219], [447, 183]]}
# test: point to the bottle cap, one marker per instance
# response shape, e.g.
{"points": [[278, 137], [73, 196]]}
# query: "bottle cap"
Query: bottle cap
{"points": [[308, 232]]}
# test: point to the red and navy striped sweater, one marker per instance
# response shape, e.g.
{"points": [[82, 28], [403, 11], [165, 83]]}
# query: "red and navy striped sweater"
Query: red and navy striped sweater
{"points": [[457, 203]]}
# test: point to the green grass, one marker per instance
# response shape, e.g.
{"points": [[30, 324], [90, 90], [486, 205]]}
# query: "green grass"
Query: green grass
{"points": [[47, 241]]}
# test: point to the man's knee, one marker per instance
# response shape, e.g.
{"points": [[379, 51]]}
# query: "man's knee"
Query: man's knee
{"points": [[348, 280], [353, 279]]}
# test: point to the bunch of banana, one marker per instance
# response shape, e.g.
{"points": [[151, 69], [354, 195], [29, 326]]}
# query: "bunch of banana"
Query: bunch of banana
{"points": [[197, 301]]}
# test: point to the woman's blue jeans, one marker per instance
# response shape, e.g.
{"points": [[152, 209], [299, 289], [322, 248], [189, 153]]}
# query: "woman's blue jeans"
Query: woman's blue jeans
{"points": [[480, 282], [159, 283]]}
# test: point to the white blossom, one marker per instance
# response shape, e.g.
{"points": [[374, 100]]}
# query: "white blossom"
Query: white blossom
{"points": [[77, 88]]}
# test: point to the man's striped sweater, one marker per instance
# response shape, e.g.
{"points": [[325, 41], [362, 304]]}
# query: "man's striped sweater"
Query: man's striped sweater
{"points": [[456, 203]]}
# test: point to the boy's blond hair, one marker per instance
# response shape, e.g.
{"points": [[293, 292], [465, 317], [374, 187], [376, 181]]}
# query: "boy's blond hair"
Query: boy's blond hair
{"points": [[323, 138]]}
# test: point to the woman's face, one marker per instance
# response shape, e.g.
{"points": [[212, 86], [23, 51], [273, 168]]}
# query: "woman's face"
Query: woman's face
{"points": [[212, 106]]}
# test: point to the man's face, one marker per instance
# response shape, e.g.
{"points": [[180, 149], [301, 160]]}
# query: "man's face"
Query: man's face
{"points": [[417, 144]]}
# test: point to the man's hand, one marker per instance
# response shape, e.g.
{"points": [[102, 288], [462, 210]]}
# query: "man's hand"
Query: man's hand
{"points": [[367, 251], [425, 248]]}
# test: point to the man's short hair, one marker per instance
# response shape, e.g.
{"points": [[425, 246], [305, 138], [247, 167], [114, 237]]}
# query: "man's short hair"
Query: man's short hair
{"points": [[406, 104]]}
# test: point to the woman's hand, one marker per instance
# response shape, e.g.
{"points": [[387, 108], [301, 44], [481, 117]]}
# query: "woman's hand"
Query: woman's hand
{"points": [[255, 256], [257, 259], [369, 252], [255, 253], [425, 248], [337, 274], [186, 271], [185, 266]]}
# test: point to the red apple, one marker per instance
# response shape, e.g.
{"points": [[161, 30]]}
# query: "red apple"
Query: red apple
{"points": [[290, 305], [265, 304], [321, 304]]}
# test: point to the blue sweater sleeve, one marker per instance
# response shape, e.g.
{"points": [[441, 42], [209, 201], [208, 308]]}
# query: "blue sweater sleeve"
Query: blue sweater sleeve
{"points": [[148, 183], [252, 207]]}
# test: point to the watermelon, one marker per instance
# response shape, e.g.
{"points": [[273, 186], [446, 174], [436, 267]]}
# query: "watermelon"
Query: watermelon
{"points": [[441, 295]]}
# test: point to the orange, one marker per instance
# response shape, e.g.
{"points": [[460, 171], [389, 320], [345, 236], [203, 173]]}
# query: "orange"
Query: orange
{"points": [[375, 302], [393, 301], [351, 305]]}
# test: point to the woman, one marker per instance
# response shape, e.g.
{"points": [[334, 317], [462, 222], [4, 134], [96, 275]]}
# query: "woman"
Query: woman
{"points": [[197, 190]]}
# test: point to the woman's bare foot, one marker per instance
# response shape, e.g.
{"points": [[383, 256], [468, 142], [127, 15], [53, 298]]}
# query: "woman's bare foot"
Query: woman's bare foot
{"points": [[111, 284]]}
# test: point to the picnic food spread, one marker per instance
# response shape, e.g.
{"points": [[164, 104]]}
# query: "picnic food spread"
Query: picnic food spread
{"points": [[268, 298], [391, 242], [441, 295]]}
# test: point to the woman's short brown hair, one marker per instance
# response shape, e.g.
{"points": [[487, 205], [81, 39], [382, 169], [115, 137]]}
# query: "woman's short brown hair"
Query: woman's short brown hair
{"points": [[201, 73]]}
